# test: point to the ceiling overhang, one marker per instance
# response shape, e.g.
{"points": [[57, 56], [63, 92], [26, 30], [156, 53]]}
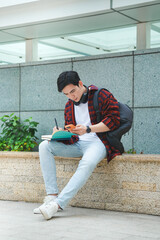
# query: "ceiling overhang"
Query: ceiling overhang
{"points": [[85, 15]]}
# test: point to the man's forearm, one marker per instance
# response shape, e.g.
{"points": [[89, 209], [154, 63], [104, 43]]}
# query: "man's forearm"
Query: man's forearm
{"points": [[99, 127]]}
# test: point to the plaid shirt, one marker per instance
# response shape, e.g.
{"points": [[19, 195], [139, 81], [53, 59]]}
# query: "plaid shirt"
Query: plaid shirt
{"points": [[109, 109]]}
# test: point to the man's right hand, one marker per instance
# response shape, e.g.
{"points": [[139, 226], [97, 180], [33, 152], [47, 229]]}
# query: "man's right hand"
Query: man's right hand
{"points": [[55, 129]]}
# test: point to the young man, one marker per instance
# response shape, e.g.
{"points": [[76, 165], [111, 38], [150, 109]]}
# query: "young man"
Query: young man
{"points": [[90, 144]]}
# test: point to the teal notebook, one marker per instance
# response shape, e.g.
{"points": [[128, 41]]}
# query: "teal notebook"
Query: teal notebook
{"points": [[59, 135]]}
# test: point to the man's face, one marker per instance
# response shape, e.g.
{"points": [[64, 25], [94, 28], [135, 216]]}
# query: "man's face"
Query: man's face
{"points": [[74, 92]]}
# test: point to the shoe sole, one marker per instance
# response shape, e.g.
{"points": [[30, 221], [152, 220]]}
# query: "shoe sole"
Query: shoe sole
{"points": [[45, 215], [37, 212], [41, 213]]}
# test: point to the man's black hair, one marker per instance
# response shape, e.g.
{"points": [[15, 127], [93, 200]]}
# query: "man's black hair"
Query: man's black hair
{"points": [[66, 78]]}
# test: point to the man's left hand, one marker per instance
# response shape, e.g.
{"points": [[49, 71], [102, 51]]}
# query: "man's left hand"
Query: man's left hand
{"points": [[79, 129]]}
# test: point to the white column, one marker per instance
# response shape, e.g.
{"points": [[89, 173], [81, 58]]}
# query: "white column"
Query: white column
{"points": [[31, 50], [143, 36]]}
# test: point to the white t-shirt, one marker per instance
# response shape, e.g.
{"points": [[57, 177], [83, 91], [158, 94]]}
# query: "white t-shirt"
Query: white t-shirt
{"points": [[82, 117]]}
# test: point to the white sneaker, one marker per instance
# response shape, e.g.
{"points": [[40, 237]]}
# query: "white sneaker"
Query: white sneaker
{"points": [[46, 200], [48, 210]]}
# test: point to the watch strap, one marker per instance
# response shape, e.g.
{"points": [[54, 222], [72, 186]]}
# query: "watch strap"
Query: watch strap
{"points": [[88, 130]]}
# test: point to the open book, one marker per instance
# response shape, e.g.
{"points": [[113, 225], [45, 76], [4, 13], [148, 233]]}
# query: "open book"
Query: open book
{"points": [[58, 135]]}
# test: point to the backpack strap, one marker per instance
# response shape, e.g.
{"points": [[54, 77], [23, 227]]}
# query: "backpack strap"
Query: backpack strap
{"points": [[96, 105]]}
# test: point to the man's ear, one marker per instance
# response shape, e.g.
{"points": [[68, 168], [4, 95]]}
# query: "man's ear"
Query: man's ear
{"points": [[80, 83]]}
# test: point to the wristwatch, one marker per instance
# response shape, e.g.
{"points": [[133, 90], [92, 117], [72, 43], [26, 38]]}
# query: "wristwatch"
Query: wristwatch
{"points": [[88, 130]]}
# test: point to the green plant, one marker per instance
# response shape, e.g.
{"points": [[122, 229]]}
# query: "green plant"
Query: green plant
{"points": [[17, 135], [132, 151]]}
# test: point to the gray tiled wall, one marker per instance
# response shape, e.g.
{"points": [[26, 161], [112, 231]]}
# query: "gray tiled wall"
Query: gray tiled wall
{"points": [[115, 74], [147, 80], [147, 130], [39, 87], [133, 78], [9, 89]]}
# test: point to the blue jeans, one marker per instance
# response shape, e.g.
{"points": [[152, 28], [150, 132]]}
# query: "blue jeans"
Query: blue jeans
{"points": [[91, 152]]}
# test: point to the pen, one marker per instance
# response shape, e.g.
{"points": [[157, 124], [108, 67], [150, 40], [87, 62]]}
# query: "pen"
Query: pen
{"points": [[56, 124]]}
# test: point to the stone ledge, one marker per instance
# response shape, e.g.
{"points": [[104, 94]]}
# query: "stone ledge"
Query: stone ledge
{"points": [[127, 157], [13, 154], [130, 182], [123, 157]]}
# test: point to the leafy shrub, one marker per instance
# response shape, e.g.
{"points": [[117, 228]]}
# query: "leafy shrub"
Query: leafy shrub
{"points": [[132, 151], [17, 135]]}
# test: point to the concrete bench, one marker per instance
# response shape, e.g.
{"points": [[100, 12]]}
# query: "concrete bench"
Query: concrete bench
{"points": [[130, 182]]}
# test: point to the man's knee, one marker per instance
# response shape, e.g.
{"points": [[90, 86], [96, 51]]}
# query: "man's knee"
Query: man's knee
{"points": [[43, 145]]}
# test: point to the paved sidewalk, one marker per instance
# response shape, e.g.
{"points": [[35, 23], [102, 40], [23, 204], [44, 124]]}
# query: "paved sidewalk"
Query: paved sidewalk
{"points": [[17, 222]]}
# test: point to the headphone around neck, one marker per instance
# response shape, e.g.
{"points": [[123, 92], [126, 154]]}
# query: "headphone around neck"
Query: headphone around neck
{"points": [[84, 97]]}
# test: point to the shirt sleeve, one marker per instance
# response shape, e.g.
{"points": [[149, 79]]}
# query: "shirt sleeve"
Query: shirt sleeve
{"points": [[109, 109], [68, 117], [68, 114]]}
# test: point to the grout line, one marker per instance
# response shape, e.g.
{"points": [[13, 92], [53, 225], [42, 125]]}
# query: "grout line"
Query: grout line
{"points": [[25, 111], [59, 110], [133, 102], [20, 92], [72, 64]]}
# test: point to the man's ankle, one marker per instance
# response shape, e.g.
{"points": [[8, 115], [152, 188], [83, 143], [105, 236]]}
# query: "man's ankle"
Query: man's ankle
{"points": [[56, 194]]}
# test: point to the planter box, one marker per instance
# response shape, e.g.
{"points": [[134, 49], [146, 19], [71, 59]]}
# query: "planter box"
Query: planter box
{"points": [[128, 183]]}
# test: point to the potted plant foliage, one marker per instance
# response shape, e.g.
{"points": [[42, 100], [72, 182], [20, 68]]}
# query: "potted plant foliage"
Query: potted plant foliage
{"points": [[17, 135]]}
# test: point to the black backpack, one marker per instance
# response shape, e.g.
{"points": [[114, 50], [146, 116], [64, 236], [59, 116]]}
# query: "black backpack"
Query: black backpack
{"points": [[126, 119]]}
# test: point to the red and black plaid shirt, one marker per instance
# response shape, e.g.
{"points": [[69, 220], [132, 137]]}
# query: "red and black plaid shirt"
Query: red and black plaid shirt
{"points": [[109, 109]]}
